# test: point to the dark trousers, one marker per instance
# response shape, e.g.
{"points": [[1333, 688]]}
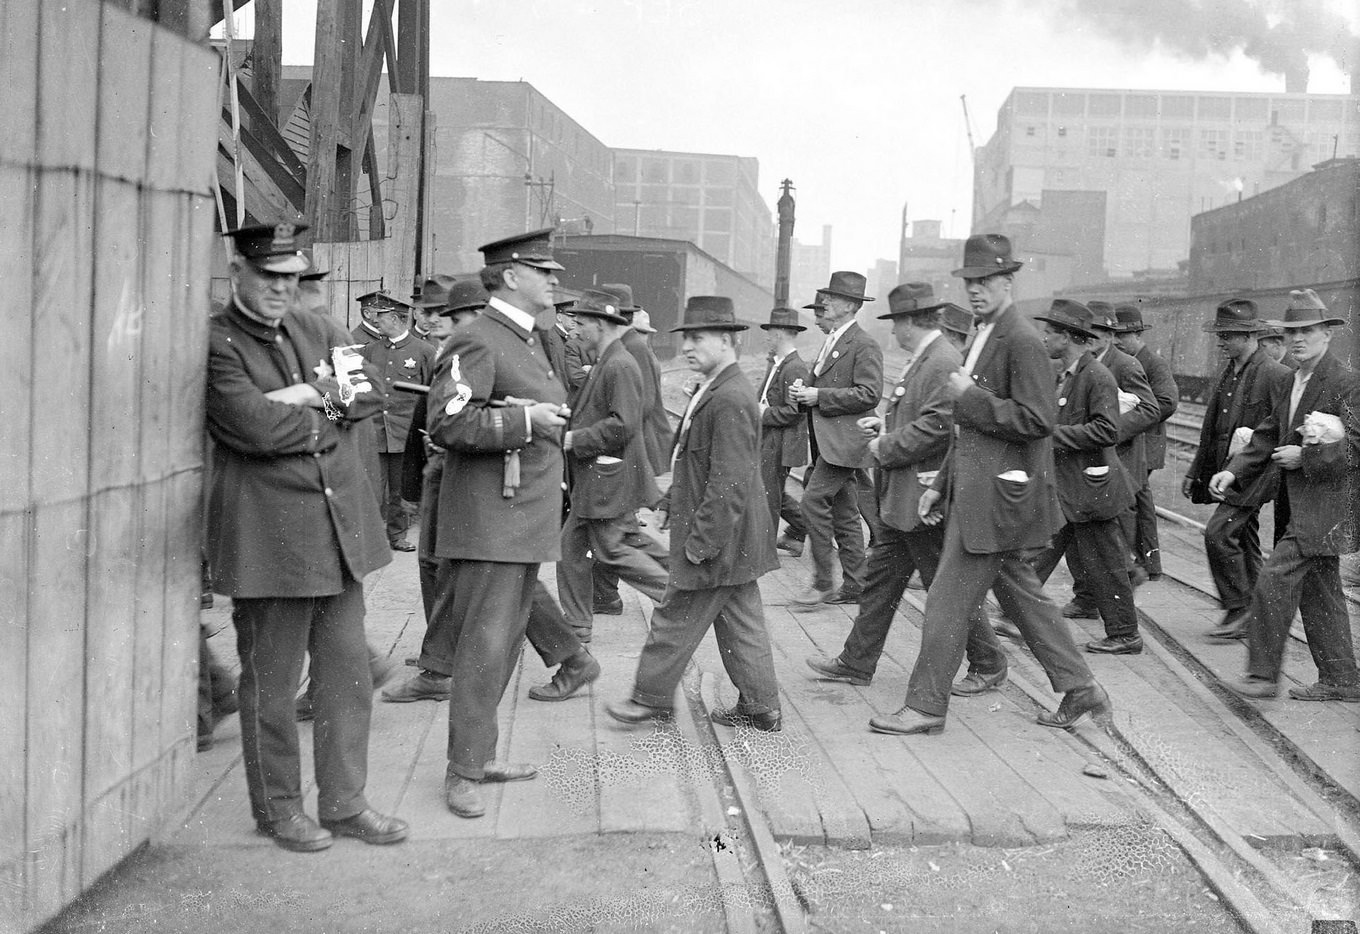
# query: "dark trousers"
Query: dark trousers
{"points": [[1289, 582], [272, 636], [1147, 546], [782, 506], [1100, 556], [605, 580], [892, 559], [1232, 543], [678, 626], [963, 581], [490, 612], [1281, 517], [831, 508], [391, 504], [589, 543]]}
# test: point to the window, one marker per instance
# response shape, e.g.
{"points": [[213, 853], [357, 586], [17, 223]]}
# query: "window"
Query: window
{"points": [[1178, 107], [1062, 131], [1104, 105], [623, 170], [718, 219], [1329, 111], [1215, 108], [1140, 105], [721, 196], [655, 171], [1288, 112], [1067, 102], [718, 173], [1030, 131], [1213, 144], [1140, 142], [1175, 142], [687, 172], [1248, 145], [1252, 108], [1103, 141], [1031, 103]]}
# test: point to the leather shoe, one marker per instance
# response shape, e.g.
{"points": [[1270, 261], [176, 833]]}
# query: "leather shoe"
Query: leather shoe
{"points": [[1138, 577], [630, 711], [769, 722], [508, 772], [844, 596], [831, 669], [572, 675], [1116, 645], [462, 796], [1233, 625], [205, 742], [906, 722], [614, 608], [1075, 610], [403, 545], [304, 712], [296, 832], [811, 597], [976, 682], [1346, 693], [420, 686], [370, 827], [791, 546], [1076, 705], [1254, 687]]}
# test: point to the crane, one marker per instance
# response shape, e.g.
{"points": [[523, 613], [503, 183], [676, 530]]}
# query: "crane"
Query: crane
{"points": [[967, 124]]}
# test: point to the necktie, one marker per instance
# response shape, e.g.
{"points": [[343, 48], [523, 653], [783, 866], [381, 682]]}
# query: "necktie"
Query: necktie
{"points": [[822, 355]]}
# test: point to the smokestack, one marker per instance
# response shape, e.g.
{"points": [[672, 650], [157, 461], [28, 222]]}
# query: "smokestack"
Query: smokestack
{"points": [[1296, 79]]}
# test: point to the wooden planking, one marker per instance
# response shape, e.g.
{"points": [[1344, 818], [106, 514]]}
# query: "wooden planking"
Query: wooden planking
{"points": [[68, 84], [16, 317], [19, 78], [14, 625], [182, 543], [166, 114], [198, 115], [149, 627], [160, 239], [124, 88], [188, 364], [406, 113]]}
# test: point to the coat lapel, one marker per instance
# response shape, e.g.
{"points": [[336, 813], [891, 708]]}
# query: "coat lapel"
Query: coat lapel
{"points": [[1316, 383]]}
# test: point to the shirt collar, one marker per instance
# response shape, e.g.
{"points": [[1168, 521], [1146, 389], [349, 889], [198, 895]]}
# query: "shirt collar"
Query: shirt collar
{"points": [[521, 319], [775, 361], [256, 328], [400, 337], [925, 342], [836, 334]]}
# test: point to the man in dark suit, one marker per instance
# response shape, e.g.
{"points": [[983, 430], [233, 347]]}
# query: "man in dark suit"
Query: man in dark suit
{"points": [[783, 427], [430, 301], [497, 410], [1241, 400], [1093, 488], [999, 483], [287, 480], [1313, 435], [610, 477], [1147, 549], [908, 446], [846, 383], [720, 536]]}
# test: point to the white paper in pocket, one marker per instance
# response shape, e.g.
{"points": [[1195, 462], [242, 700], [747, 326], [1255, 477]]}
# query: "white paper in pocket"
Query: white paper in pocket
{"points": [[927, 477], [1014, 476], [604, 460], [1095, 473]]}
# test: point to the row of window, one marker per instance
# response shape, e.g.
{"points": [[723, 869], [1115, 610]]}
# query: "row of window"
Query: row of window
{"points": [[661, 171], [1177, 106], [1146, 142]]}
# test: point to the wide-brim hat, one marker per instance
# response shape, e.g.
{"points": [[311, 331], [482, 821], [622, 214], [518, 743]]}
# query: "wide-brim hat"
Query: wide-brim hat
{"points": [[1102, 315], [846, 284], [709, 313], [911, 298], [1130, 319], [1070, 316], [1236, 316], [597, 303], [564, 298], [642, 322], [433, 292], [987, 255], [957, 319], [532, 249], [465, 295], [624, 294], [783, 317], [272, 247], [1304, 309]]}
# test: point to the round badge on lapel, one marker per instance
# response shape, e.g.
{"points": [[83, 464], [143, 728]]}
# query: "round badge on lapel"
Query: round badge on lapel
{"points": [[1062, 402], [835, 354], [900, 391]]}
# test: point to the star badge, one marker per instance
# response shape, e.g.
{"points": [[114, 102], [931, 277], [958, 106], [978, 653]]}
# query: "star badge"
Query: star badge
{"points": [[323, 370], [409, 363]]}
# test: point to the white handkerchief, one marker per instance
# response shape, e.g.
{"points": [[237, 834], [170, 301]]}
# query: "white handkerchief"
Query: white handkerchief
{"points": [[1321, 428], [927, 477], [1239, 441], [1097, 472], [1127, 402], [1014, 476], [604, 460]]}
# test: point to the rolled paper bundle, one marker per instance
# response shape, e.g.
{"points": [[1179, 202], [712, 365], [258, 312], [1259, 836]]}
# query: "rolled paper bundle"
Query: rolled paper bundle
{"points": [[1241, 437], [1127, 402], [1321, 428]]}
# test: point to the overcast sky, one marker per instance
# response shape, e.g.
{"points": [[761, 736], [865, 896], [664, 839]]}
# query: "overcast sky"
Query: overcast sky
{"points": [[857, 101]]}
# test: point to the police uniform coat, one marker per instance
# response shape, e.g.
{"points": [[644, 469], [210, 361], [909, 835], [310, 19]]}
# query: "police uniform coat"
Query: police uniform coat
{"points": [[1129, 377], [408, 359], [555, 346], [716, 501], [849, 387], [290, 510], [607, 423], [656, 424], [1229, 409], [1003, 423], [484, 362], [783, 427], [1167, 394], [916, 433], [362, 334], [1324, 493], [1084, 438]]}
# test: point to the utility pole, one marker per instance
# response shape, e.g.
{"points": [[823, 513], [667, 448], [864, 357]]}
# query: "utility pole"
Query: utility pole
{"points": [[782, 254]]}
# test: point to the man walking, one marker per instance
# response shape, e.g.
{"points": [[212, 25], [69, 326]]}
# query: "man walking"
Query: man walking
{"points": [[998, 483], [846, 383], [288, 481], [720, 538], [783, 427]]}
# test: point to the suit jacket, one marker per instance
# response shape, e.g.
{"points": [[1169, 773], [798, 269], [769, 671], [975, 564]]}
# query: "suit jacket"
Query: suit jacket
{"points": [[1083, 439], [1002, 424], [481, 363], [1129, 377], [1227, 411], [578, 359], [656, 424], [610, 474], [555, 346], [409, 360], [290, 509], [783, 426], [1168, 397], [716, 500], [849, 387], [1324, 492], [916, 431]]}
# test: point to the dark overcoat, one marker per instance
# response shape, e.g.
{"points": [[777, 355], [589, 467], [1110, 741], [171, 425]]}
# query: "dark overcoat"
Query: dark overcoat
{"points": [[783, 425], [290, 509], [1003, 424], [717, 505], [610, 473], [1228, 409], [1324, 493], [408, 360], [363, 334], [1084, 439], [1129, 377], [916, 433], [482, 363], [656, 424], [1168, 397], [848, 388]]}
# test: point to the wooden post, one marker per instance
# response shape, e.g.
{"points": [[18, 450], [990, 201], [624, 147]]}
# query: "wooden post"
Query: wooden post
{"points": [[407, 113], [327, 201], [267, 56]]}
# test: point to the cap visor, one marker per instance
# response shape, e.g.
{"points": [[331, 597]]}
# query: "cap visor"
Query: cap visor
{"points": [[288, 262], [542, 264]]}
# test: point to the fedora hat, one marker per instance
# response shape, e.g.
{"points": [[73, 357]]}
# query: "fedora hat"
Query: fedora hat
{"points": [[987, 255], [465, 295], [624, 294], [786, 318], [1070, 316], [1304, 309], [956, 319], [1103, 316], [911, 298], [597, 303], [1236, 316], [709, 313], [642, 322], [1130, 319], [433, 293], [846, 284]]}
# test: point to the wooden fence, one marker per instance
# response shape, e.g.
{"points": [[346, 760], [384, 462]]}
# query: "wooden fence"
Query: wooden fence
{"points": [[355, 268], [106, 163]]}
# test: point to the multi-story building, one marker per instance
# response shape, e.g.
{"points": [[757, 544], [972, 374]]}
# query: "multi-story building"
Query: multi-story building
{"points": [[809, 267], [711, 200], [1156, 157], [926, 256]]}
